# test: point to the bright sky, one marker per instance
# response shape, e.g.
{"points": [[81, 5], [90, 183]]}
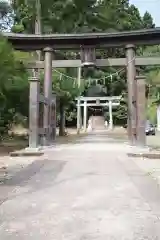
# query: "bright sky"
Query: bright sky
{"points": [[152, 6]]}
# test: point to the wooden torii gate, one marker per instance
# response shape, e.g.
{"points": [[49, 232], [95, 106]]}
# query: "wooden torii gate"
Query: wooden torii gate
{"points": [[52, 42]]}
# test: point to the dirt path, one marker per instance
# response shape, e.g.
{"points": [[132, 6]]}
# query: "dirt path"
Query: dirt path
{"points": [[88, 189]]}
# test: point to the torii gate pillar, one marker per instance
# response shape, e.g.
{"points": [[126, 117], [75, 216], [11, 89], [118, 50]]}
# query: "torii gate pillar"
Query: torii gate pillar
{"points": [[131, 84], [48, 53], [110, 116], [141, 110]]}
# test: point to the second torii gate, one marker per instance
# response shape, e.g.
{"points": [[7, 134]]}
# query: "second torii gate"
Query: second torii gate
{"points": [[95, 101]]}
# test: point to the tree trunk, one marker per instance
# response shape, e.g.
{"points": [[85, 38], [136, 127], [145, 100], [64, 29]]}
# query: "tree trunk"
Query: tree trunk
{"points": [[38, 23], [62, 119], [38, 30]]}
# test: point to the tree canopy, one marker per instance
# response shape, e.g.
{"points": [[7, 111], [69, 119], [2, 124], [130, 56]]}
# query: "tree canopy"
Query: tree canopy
{"points": [[63, 16]]}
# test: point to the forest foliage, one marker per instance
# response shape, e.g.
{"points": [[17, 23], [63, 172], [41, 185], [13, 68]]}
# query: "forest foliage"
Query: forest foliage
{"points": [[63, 16]]}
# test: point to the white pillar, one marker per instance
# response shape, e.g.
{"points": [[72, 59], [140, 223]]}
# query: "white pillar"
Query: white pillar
{"points": [[158, 118], [85, 116], [78, 116], [110, 115], [79, 77]]}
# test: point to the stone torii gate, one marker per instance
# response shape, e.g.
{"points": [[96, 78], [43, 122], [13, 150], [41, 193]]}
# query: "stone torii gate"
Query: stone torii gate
{"points": [[95, 101], [87, 43]]}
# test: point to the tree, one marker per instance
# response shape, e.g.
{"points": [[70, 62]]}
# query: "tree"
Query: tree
{"points": [[66, 89], [152, 74], [11, 86], [148, 20], [84, 16], [5, 15]]}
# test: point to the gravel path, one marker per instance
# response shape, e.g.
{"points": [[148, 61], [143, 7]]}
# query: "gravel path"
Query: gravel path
{"points": [[83, 191]]}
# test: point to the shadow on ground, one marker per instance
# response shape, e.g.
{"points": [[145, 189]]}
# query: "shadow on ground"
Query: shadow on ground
{"points": [[23, 177]]}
